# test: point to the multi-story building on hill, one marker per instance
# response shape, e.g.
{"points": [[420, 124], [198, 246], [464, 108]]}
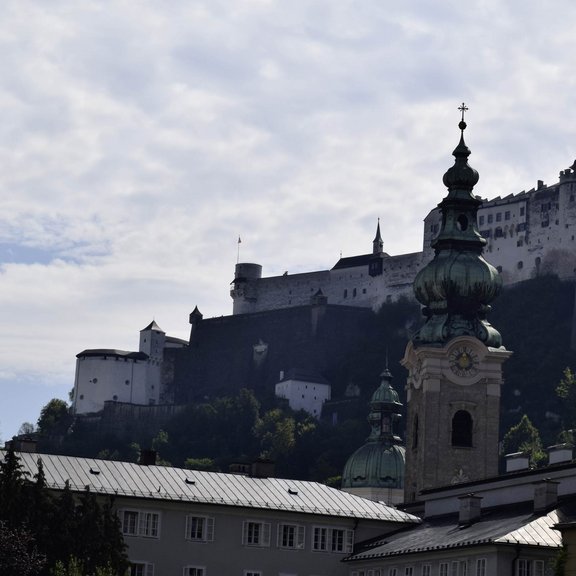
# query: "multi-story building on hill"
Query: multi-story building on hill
{"points": [[529, 233]]}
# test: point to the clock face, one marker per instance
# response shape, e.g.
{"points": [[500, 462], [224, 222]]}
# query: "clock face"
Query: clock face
{"points": [[463, 361]]}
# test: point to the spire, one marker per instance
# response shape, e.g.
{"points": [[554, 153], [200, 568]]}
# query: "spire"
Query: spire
{"points": [[457, 286], [377, 243]]}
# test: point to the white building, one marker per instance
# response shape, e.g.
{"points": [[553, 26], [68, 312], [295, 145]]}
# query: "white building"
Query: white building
{"points": [[304, 392], [122, 376]]}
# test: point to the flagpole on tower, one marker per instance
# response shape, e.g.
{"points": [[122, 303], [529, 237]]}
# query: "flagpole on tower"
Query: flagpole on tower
{"points": [[238, 255]]}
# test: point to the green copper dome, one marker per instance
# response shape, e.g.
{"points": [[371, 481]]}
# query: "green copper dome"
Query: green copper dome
{"points": [[380, 462], [457, 286]]}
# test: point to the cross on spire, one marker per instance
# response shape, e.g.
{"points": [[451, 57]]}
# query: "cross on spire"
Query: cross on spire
{"points": [[463, 109]]}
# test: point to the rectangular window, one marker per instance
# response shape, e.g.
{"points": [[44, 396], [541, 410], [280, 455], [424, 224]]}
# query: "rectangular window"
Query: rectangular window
{"points": [[443, 569], [490, 218], [409, 571], [326, 539], [454, 569], [141, 569], [291, 536], [252, 573], [463, 568], [256, 533], [140, 523], [426, 570], [507, 215], [199, 528], [522, 210], [194, 571], [392, 572], [481, 220], [499, 217], [481, 567]]}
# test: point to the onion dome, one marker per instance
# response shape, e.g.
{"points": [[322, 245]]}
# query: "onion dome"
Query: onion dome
{"points": [[379, 463], [458, 284]]}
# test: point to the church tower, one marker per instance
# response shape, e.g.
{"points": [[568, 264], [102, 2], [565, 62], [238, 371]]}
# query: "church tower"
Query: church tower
{"points": [[455, 359]]}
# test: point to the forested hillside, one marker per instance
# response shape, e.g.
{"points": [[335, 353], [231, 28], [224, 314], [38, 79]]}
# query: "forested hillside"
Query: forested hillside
{"points": [[534, 318]]}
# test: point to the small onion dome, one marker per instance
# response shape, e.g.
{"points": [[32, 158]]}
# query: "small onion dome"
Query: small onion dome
{"points": [[461, 176], [375, 466], [385, 393]]}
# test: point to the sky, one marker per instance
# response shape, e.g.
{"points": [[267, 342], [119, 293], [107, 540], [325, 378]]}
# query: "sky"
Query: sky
{"points": [[139, 140]]}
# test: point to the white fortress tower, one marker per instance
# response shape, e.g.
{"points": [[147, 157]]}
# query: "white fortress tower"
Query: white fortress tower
{"points": [[104, 375]]}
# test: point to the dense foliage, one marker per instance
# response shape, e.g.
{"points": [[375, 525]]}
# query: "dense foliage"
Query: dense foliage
{"points": [[44, 534], [535, 319]]}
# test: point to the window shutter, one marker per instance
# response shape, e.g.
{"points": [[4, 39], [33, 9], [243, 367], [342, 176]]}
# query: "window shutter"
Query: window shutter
{"points": [[266, 534], [349, 540], [300, 537], [187, 532], [209, 529], [245, 532]]}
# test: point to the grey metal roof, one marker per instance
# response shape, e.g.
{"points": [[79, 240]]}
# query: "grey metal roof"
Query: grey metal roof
{"points": [[112, 353], [508, 525], [177, 484]]}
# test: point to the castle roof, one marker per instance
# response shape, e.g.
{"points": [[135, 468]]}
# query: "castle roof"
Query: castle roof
{"points": [[356, 261], [111, 353], [152, 326]]}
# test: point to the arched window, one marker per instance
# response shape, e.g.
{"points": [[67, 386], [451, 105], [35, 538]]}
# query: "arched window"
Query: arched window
{"points": [[462, 429]]}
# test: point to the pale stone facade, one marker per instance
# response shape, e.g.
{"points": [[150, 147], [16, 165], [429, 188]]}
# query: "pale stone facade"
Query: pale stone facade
{"points": [[453, 414], [528, 234], [303, 393]]}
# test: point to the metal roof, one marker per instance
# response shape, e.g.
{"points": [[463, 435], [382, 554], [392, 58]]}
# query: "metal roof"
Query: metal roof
{"points": [[112, 353], [177, 484], [508, 525]]}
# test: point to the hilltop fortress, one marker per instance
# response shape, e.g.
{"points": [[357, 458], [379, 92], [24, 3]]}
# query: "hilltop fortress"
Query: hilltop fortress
{"points": [[528, 234]]}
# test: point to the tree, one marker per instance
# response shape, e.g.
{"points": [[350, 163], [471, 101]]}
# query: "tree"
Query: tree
{"points": [[26, 428], [13, 505], [524, 437], [19, 555], [566, 390], [55, 418]]}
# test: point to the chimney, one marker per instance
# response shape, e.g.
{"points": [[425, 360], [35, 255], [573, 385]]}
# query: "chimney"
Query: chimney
{"points": [[545, 494], [517, 461], [262, 468], [540, 184], [147, 458], [469, 509], [559, 453]]}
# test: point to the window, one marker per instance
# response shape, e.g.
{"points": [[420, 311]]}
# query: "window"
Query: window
{"points": [[499, 217], [490, 218], [194, 571], [530, 567], [481, 567], [498, 232], [199, 528], [140, 523], [141, 569], [454, 569], [426, 569], [481, 220], [463, 568], [252, 573], [332, 539], [461, 434], [291, 536], [409, 571], [256, 533], [443, 569], [522, 210]]}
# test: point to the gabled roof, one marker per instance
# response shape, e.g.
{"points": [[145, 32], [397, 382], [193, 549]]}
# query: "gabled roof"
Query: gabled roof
{"points": [[177, 484], [508, 525]]}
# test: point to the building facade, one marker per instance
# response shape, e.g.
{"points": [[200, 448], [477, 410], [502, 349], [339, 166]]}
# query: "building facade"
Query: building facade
{"points": [[527, 234]]}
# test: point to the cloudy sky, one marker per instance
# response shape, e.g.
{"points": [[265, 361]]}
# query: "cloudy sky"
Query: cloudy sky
{"points": [[139, 139]]}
